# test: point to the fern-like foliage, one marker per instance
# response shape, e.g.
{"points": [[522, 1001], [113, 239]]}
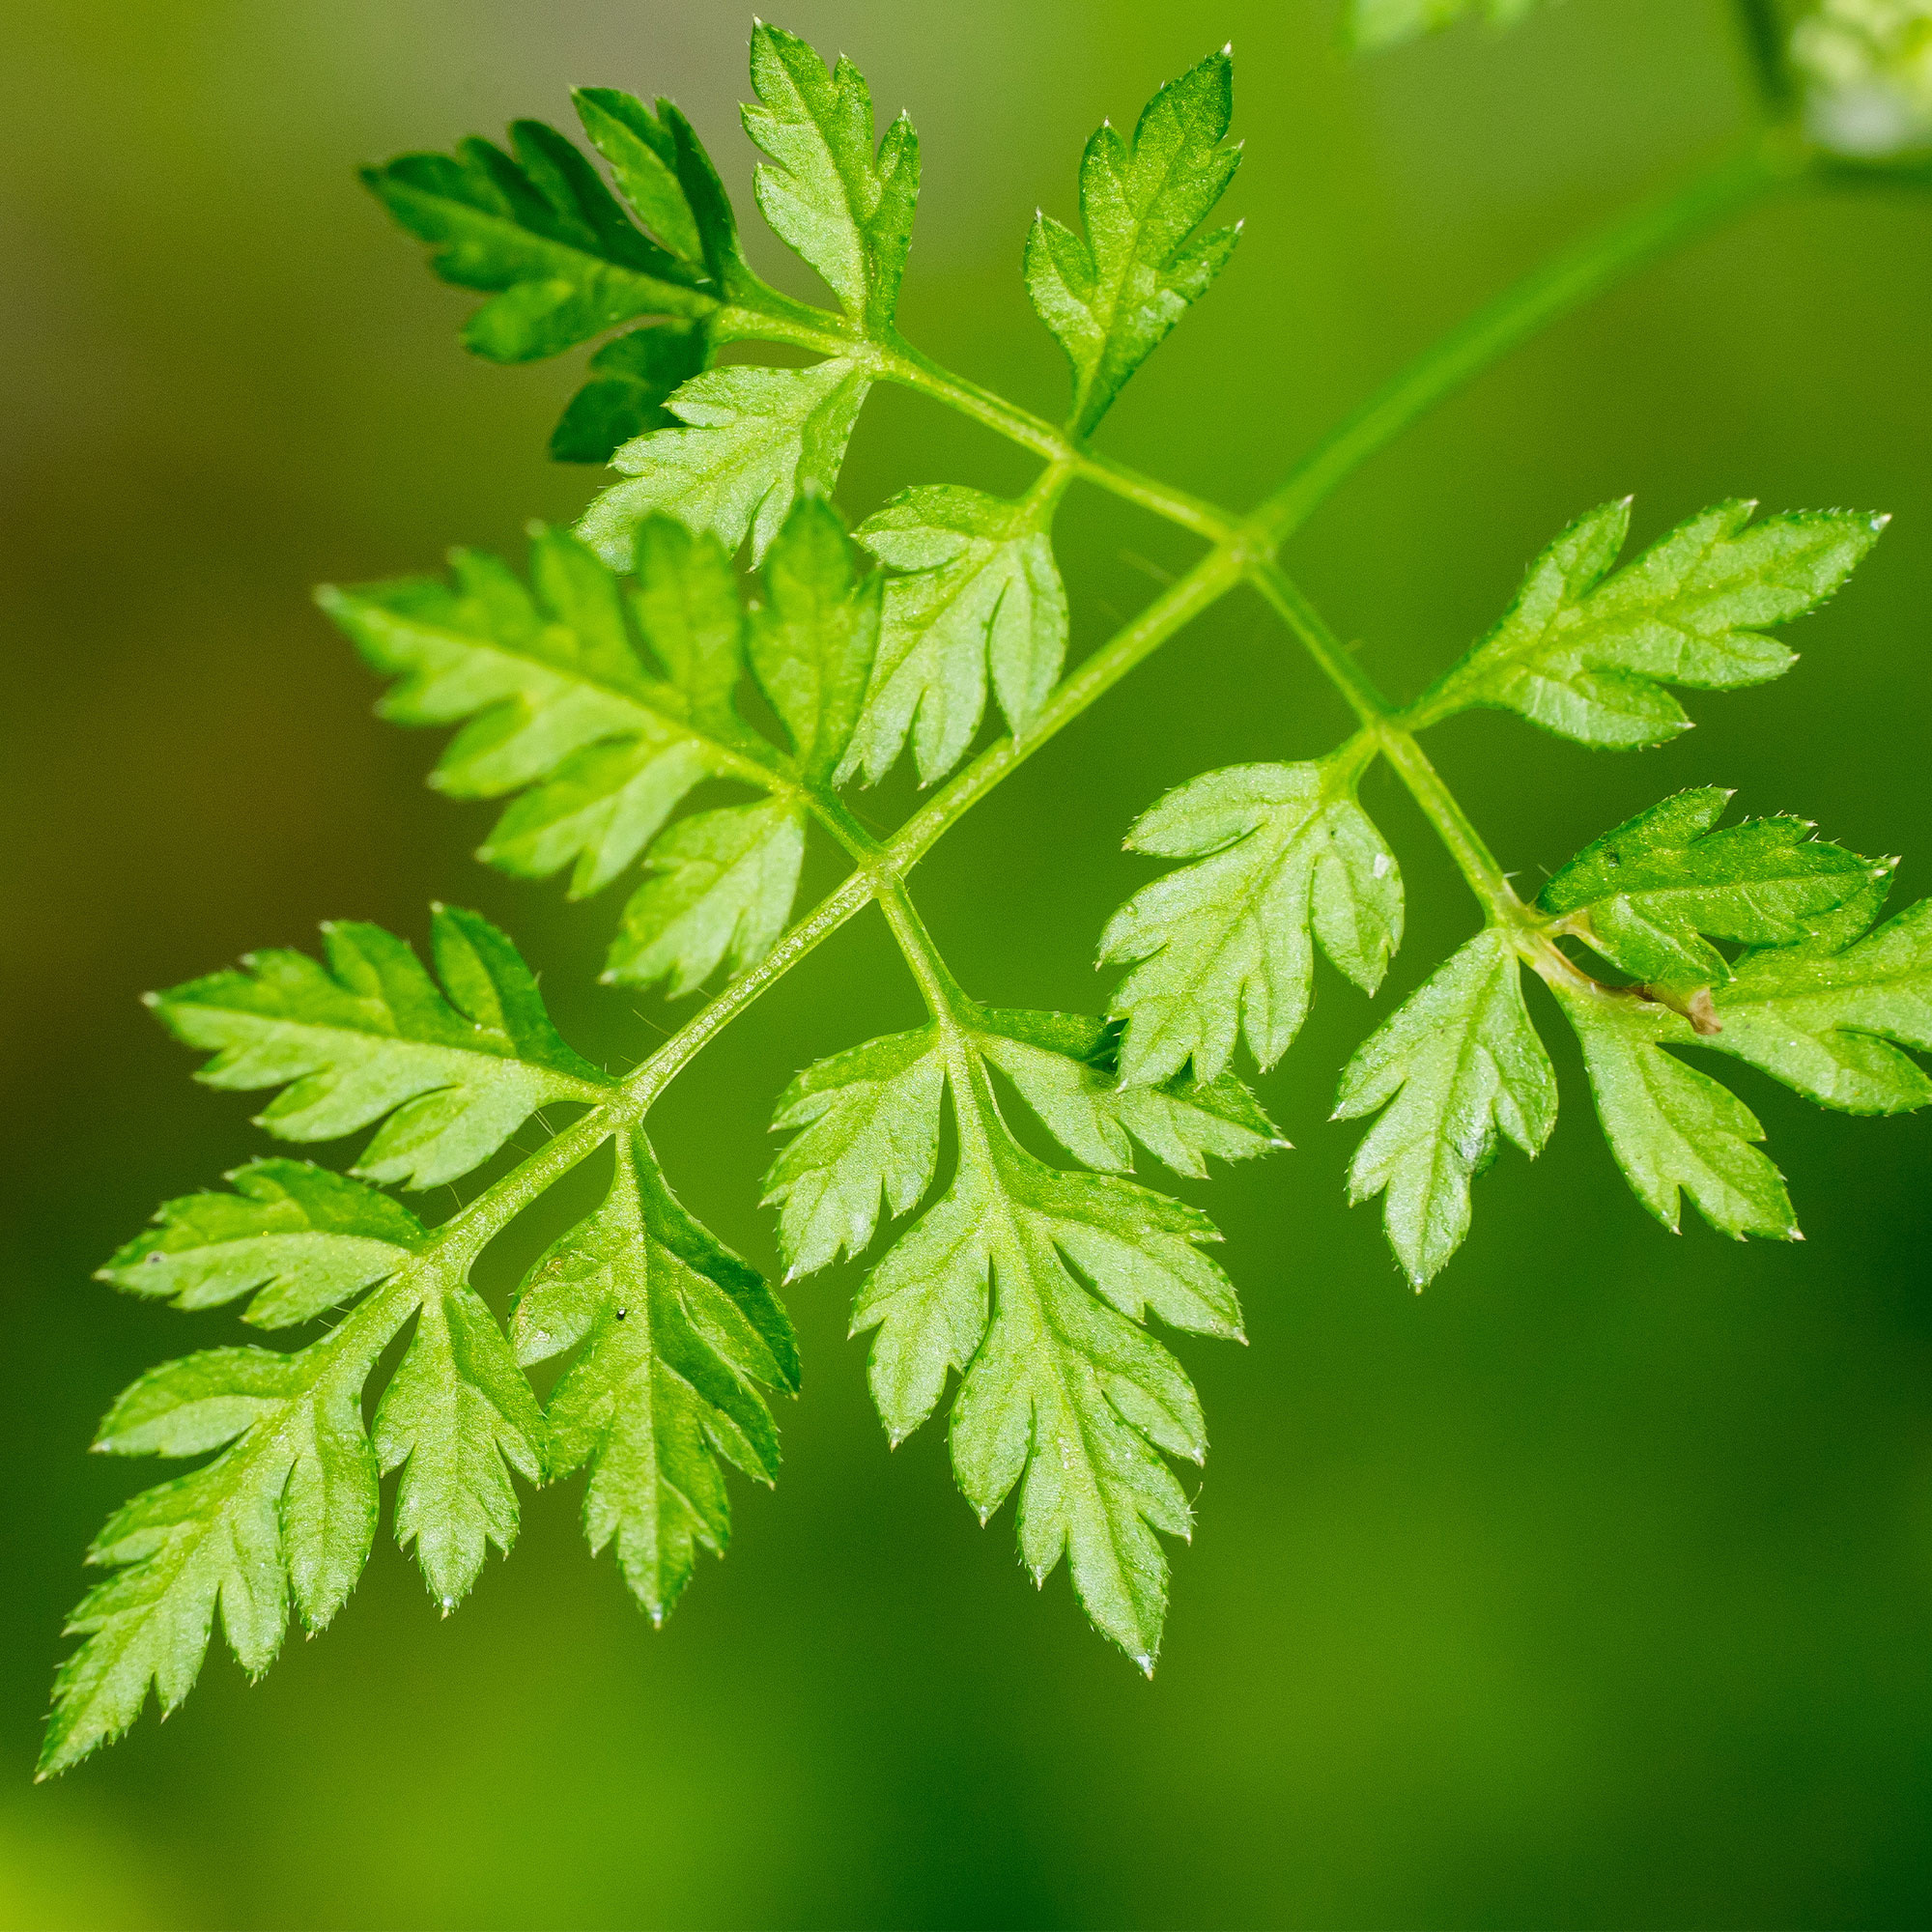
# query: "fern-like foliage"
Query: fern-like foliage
{"points": [[677, 690], [674, 1336], [604, 704], [1111, 298], [283, 1517], [1031, 1284]]}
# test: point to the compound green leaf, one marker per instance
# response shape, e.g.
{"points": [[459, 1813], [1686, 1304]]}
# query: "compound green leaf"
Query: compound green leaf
{"points": [[286, 1511], [752, 442], [537, 228], [1373, 24], [1066, 1069], [814, 635], [1647, 895], [369, 1035], [1111, 298], [1225, 947], [978, 593], [722, 892], [1830, 1022], [846, 210], [1029, 1283], [641, 149], [673, 1337], [1673, 1129], [456, 1418], [1458, 1064], [303, 1240], [1585, 651], [1064, 1395], [864, 1123]]}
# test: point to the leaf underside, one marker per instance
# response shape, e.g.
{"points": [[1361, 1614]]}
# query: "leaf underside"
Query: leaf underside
{"points": [[1031, 1283]]}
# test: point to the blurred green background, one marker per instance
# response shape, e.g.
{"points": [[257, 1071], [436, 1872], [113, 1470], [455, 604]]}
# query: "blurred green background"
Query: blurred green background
{"points": [[1593, 1588]]}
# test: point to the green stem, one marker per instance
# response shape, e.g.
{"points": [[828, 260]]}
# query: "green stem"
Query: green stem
{"points": [[944, 996], [1465, 845], [1388, 728], [1240, 549], [913, 370], [1363, 695], [472, 1228], [1563, 283], [1210, 580]]}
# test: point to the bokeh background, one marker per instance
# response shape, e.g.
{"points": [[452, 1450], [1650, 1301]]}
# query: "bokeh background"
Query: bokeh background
{"points": [[1593, 1588]]}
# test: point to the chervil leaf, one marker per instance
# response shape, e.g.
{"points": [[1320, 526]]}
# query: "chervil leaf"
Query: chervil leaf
{"points": [[847, 210], [560, 698], [369, 1035], [814, 636], [302, 1237], [632, 379], [755, 441], [723, 889], [1821, 1020], [458, 1416], [979, 591], [1382, 23], [285, 1512], [1226, 946], [1585, 651], [1673, 1129], [1066, 1069], [1064, 1395], [674, 1335], [642, 149], [1642, 895], [543, 231], [557, 694], [293, 1501], [865, 1123], [1458, 1064], [1111, 298]]}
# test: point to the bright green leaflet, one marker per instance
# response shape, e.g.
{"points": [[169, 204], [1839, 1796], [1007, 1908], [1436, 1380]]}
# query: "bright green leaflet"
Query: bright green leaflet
{"points": [[456, 1072], [296, 1238], [1063, 1396], [1285, 857], [607, 705], [1652, 895], [1458, 1067], [1673, 1129], [1585, 651], [673, 1337], [1111, 298], [598, 707], [284, 1515], [1831, 1023], [751, 442], [978, 596], [846, 210]]}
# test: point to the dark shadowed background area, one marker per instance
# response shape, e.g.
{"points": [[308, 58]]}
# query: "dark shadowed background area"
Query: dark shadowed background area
{"points": [[1593, 1588]]}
